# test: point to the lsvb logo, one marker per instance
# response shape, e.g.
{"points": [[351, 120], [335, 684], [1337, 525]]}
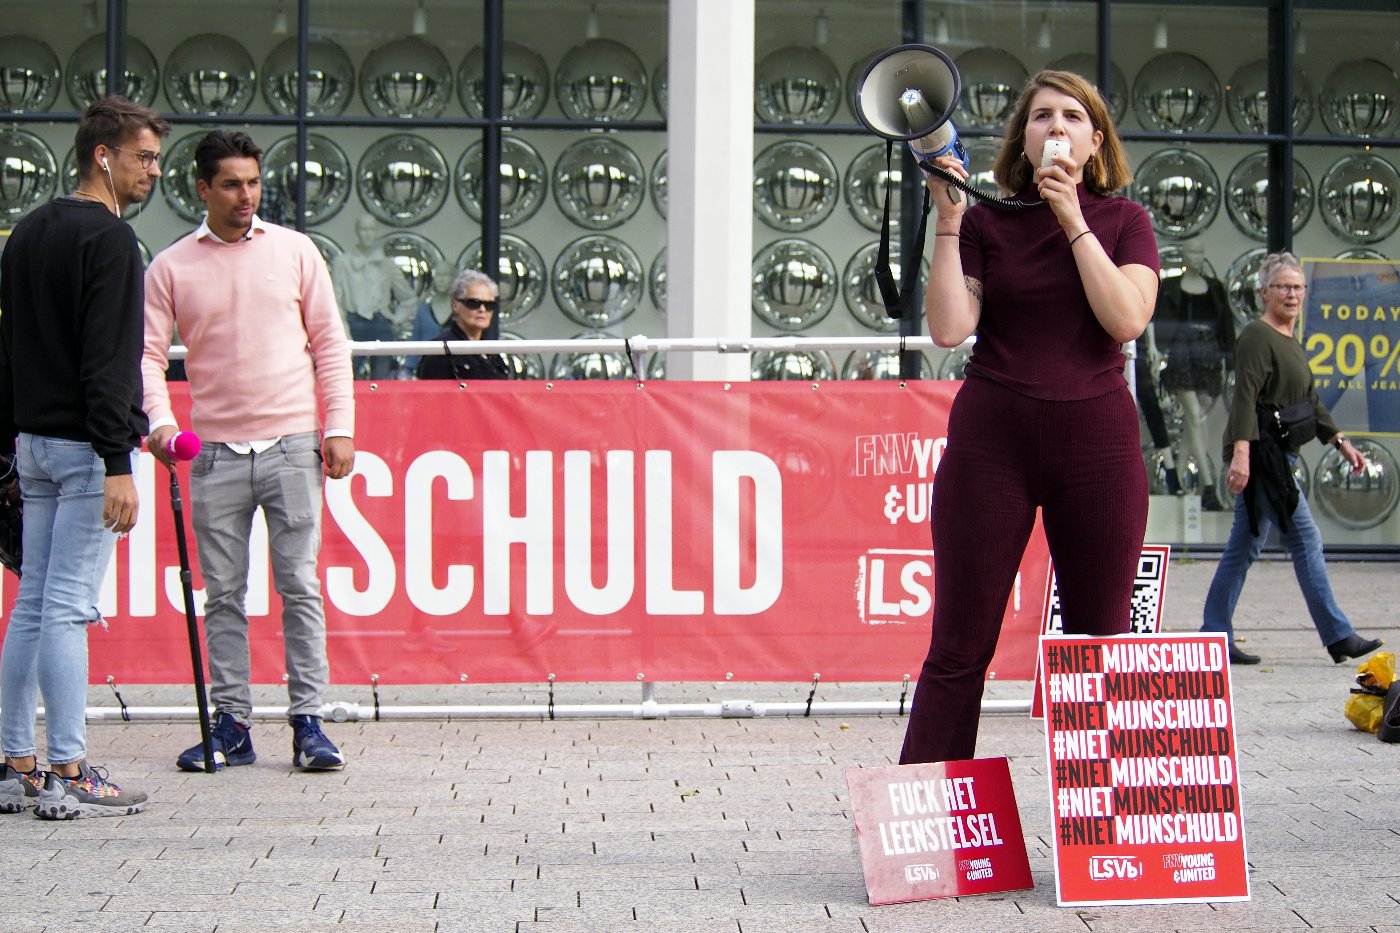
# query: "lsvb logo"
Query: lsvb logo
{"points": [[1115, 867]]}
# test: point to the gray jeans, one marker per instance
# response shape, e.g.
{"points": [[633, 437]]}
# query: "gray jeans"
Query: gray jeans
{"points": [[226, 489]]}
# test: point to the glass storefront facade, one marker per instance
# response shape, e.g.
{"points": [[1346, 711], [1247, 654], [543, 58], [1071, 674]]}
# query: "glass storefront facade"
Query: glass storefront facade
{"points": [[411, 105]]}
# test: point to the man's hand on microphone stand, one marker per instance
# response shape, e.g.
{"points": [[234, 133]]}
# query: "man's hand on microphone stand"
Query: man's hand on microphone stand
{"points": [[158, 443]]}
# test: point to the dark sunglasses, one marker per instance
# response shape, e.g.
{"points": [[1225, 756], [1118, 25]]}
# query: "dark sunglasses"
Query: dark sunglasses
{"points": [[476, 304]]}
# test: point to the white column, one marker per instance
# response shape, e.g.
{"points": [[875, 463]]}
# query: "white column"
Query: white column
{"points": [[709, 246]]}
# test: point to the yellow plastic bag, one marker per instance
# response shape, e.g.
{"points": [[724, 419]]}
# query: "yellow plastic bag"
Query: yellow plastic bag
{"points": [[1377, 672], [1366, 706], [1365, 710]]}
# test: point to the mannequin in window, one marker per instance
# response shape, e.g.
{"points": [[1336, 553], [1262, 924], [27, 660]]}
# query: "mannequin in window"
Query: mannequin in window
{"points": [[1194, 332], [373, 295]]}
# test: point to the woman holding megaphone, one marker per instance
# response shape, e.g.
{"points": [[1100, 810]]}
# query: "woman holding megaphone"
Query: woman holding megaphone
{"points": [[1044, 419]]}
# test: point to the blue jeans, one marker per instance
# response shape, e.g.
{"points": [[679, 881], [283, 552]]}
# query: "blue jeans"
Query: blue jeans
{"points": [[66, 552], [226, 488], [1304, 544], [378, 368]]}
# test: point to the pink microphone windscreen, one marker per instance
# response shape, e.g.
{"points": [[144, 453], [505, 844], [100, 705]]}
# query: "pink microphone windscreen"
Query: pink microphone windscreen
{"points": [[183, 445]]}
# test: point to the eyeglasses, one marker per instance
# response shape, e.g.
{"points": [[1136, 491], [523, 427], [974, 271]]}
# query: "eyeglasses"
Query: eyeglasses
{"points": [[1286, 289], [476, 304], [147, 157]]}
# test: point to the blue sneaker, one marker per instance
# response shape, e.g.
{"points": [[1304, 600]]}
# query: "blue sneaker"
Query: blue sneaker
{"points": [[233, 746], [19, 790], [311, 750]]}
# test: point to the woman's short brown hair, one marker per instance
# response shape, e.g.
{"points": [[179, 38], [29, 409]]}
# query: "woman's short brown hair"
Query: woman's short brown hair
{"points": [[1105, 172]]}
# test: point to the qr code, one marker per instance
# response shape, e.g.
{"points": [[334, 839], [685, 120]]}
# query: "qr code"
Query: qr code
{"points": [[1146, 611]]}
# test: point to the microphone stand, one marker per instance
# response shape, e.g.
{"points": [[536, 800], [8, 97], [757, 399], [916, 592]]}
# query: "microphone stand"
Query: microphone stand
{"points": [[196, 656]]}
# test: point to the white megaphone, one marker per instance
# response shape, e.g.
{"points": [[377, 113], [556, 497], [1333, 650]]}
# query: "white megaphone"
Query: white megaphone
{"points": [[908, 94]]}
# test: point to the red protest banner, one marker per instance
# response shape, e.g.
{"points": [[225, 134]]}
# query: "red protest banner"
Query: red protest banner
{"points": [[597, 531], [1144, 782], [948, 829]]}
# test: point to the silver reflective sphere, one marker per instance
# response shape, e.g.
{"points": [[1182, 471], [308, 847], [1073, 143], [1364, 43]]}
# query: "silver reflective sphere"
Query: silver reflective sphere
{"points": [[877, 364], [658, 184], [146, 256], [656, 281], [865, 188], [599, 183], [1359, 501], [862, 294], [792, 365], [179, 177], [1247, 196], [1087, 66], [795, 185], [1361, 98], [982, 154], [524, 179], [1362, 252], [521, 277], [419, 259], [1300, 473], [992, 81], [1247, 98], [1176, 93], [209, 74], [402, 179], [794, 284], [86, 75], [953, 364], [330, 81], [68, 183], [328, 180], [853, 75], [796, 85], [1242, 285], [598, 281], [87, 72], [523, 365], [656, 366], [1180, 191], [524, 82], [330, 249], [29, 75], [406, 78], [601, 80], [1360, 198], [660, 86], [572, 366], [28, 175]]}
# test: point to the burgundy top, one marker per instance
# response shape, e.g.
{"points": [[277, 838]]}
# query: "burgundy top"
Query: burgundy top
{"points": [[1037, 334]]}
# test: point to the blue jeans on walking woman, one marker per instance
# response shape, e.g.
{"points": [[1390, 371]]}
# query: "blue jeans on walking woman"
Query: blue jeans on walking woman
{"points": [[66, 552], [1304, 544]]}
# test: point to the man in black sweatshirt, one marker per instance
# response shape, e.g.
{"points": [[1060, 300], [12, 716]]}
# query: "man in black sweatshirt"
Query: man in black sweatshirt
{"points": [[71, 313]]}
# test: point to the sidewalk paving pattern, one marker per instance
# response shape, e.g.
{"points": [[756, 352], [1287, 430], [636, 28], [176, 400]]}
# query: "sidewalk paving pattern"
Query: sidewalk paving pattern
{"points": [[686, 825]]}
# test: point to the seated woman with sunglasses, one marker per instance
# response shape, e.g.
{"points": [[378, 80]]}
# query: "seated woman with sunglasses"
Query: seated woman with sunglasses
{"points": [[473, 303]]}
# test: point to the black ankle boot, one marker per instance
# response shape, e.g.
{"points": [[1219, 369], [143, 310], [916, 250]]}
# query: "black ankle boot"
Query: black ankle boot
{"points": [[1353, 646], [1210, 502], [1237, 656]]}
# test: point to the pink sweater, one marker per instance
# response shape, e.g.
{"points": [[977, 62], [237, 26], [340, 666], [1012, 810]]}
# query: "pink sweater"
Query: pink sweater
{"points": [[263, 332]]}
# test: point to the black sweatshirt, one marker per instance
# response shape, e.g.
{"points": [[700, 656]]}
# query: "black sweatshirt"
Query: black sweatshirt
{"points": [[71, 330]]}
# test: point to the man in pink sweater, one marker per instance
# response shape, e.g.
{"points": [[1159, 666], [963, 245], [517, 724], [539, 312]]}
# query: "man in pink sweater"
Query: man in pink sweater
{"points": [[253, 303]]}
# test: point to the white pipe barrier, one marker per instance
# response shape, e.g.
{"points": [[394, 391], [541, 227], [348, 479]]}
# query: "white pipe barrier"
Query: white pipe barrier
{"points": [[648, 709]]}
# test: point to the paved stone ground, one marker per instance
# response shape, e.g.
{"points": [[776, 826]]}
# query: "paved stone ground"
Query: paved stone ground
{"points": [[687, 825]]}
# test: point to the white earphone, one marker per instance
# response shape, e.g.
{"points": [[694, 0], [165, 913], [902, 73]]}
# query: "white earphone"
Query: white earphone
{"points": [[104, 166]]}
